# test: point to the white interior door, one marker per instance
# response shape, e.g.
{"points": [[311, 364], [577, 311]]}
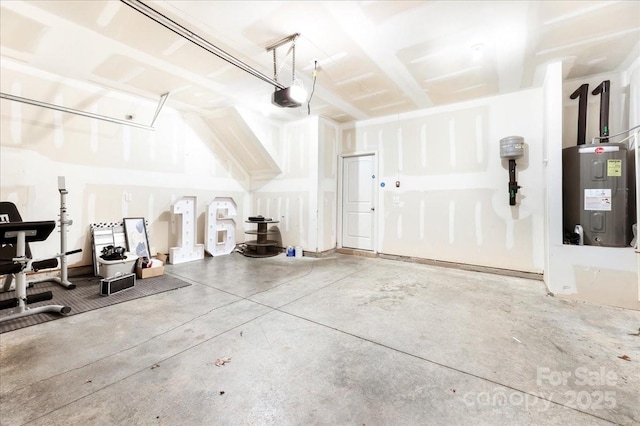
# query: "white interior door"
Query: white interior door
{"points": [[358, 209]]}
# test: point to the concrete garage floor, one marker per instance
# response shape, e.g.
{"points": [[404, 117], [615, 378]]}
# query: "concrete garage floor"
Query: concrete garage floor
{"points": [[341, 340]]}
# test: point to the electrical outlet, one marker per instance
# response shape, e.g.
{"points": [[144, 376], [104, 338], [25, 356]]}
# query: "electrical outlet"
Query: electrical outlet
{"points": [[127, 196]]}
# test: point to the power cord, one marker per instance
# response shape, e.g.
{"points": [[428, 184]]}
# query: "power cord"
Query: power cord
{"points": [[313, 88]]}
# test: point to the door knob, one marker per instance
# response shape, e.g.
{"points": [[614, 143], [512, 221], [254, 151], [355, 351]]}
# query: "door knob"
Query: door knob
{"points": [[373, 209]]}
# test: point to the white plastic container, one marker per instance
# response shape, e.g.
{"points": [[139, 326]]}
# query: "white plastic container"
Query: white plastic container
{"points": [[109, 268], [298, 251]]}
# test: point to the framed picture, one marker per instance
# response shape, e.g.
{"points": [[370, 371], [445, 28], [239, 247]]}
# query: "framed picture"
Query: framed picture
{"points": [[135, 232]]}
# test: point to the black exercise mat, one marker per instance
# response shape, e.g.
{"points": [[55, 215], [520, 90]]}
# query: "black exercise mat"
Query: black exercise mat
{"points": [[85, 297]]}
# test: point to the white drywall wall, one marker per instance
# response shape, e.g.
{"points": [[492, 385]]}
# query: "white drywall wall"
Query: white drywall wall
{"points": [[292, 197], [112, 171], [453, 202]]}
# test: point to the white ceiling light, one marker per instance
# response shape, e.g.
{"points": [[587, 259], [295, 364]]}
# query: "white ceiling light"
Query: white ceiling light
{"points": [[298, 92]]}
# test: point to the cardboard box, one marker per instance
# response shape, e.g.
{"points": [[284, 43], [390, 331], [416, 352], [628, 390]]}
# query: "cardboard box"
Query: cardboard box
{"points": [[149, 272], [163, 257]]}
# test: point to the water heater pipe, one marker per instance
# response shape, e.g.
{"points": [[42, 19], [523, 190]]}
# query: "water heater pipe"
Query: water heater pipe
{"points": [[581, 92], [603, 90], [513, 184]]}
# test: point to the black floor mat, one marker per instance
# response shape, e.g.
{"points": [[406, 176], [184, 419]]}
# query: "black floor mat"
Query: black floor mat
{"points": [[85, 297]]}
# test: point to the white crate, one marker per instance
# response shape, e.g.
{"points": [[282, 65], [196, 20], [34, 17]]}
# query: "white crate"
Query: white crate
{"points": [[110, 268]]}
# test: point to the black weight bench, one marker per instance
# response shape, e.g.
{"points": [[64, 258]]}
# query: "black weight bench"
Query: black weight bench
{"points": [[16, 261]]}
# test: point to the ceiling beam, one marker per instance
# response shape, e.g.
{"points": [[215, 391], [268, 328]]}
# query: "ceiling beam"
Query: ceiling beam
{"points": [[382, 52]]}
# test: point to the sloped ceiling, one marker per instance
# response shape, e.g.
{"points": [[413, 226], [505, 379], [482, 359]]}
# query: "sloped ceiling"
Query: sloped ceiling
{"points": [[374, 58], [243, 145]]}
